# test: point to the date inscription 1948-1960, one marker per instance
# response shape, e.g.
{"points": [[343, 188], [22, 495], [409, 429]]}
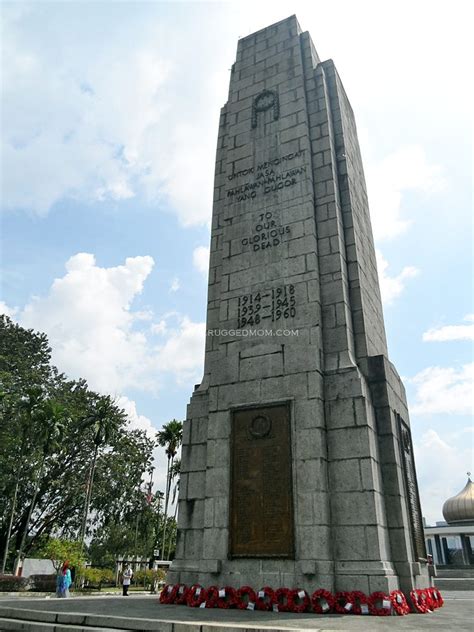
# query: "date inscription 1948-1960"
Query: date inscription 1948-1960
{"points": [[273, 304]]}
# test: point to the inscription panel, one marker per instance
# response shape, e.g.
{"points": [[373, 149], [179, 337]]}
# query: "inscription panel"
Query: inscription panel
{"points": [[273, 304], [261, 483], [413, 497]]}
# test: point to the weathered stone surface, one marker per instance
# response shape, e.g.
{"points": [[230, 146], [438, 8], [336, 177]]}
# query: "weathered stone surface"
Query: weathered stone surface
{"points": [[295, 319]]}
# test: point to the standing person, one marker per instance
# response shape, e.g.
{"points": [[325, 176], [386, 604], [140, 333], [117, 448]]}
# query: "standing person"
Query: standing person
{"points": [[431, 569], [63, 581], [59, 583], [126, 579]]}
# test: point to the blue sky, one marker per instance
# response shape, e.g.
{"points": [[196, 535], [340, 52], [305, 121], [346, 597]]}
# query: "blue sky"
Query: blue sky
{"points": [[109, 125]]}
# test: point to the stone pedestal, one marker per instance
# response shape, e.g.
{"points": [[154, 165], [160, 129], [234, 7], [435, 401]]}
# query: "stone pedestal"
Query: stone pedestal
{"points": [[296, 366]]}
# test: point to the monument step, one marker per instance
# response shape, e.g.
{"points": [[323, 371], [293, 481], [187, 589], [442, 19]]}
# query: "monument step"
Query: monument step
{"points": [[38, 626], [458, 572], [454, 583]]}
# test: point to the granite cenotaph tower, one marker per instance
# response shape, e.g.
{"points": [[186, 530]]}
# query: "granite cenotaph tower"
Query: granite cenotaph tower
{"points": [[297, 459]]}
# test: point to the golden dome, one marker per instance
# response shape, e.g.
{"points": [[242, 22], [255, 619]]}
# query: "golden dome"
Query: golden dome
{"points": [[460, 508]]}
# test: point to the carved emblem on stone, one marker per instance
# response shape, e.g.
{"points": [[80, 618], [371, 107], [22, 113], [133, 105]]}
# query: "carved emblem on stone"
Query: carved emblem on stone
{"points": [[260, 426], [263, 102]]}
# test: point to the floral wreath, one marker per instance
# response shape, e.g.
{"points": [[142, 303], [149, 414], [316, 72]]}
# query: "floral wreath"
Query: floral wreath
{"points": [[246, 598], [196, 596], [322, 601], [298, 600], [227, 597], [421, 600], [359, 601], [282, 600], [168, 593], [182, 594], [343, 602], [265, 598], [436, 599], [399, 602], [212, 596], [380, 611]]}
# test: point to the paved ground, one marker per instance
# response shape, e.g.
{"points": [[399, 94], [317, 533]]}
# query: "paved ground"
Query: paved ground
{"points": [[457, 614]]}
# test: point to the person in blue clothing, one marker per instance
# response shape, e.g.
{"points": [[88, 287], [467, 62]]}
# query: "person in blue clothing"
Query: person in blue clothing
{"points": [[63, 581]]}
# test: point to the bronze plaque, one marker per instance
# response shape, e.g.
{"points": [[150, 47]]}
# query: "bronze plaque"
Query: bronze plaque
{"points": [[413, 496], [261, 485]]}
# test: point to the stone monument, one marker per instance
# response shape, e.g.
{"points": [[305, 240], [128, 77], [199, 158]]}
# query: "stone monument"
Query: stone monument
{"points": [[297, 460]]}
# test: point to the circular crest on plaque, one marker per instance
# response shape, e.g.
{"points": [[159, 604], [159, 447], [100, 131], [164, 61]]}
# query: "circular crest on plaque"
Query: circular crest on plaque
{"points": [[260, 426]]}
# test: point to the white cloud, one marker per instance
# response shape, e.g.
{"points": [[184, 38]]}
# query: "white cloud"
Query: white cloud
{"points": [[441, 463], [159, 328], [94, 331], [70, 141], [444, 390], [175, 285], [405, 170], [451, 332], [201, 259], [7, 310], [140, 113], [88, 318], [136, 421], [183, 352], [392, 287], [106, 122]]}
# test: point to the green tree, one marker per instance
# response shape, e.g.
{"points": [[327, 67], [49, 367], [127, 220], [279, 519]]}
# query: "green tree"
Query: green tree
{"points": [[44, 476], [48, 419], [175, 471], [60, 551], [25, 370], [169, 437], [104, 421], [119, 537]]}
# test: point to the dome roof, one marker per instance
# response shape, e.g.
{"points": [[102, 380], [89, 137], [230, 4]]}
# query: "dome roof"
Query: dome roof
{"points": [[460, 508]]}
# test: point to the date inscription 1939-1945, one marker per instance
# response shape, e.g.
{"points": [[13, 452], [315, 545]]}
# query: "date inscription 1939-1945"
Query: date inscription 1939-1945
{"points": [[271, 304]]}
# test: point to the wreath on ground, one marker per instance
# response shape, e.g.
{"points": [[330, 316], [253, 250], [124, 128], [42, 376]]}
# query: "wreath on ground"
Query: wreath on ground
{"points": [[380, 604], [282, 600], [343, 602], [196, 596], [436, 598], [399, 602], [421, 601], [360, 602], [212, 596], [322, 601], [246, 598], [298, 600], [168, 594], [227, 598], [182, 595], [265, 598]]}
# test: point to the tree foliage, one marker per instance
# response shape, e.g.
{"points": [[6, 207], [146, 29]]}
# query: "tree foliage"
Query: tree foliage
{"points": [[49, 429], [60, 551]]}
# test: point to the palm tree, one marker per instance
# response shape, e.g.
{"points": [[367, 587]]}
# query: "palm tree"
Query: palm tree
{"points": [[103, 421], [170, 438], [175, 471], [48, 422]]}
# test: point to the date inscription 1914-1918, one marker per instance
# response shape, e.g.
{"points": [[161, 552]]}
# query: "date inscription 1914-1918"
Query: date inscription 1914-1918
{"points": [[273, 304]]}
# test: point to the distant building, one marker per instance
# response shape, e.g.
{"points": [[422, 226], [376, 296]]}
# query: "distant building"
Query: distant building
{"points": [[451, 543]]}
